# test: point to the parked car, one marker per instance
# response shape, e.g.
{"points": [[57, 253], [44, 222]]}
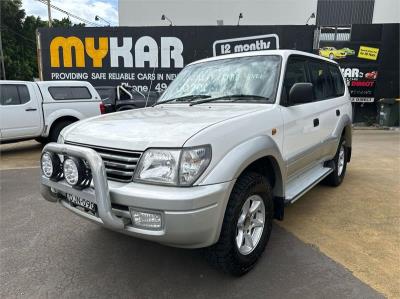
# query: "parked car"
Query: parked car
{"points": [[108, 95], [232, 141], [41, 110], [371, 75], [348, 51], [122, 98], [332, 53]]}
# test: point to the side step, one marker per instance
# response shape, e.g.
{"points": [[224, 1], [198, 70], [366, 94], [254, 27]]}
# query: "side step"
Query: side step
{"points": [[304, 182]]}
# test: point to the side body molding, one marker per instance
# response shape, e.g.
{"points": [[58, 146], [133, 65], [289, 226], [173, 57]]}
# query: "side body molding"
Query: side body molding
{"points": [[241, 156]]}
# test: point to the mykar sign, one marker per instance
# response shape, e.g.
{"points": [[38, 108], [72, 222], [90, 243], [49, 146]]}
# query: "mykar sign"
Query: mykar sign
{"points": [[151, 57], [145, 49]]}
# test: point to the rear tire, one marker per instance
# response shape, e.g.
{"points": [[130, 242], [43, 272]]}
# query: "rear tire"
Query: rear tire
{"points": [[57, 128], [340, 161], [252, 192]]}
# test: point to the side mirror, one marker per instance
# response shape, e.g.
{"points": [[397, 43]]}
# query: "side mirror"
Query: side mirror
{"points": [[301, 93]]}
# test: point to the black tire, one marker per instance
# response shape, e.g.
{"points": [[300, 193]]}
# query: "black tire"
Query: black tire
{"points": [[225, 255], [42, 140], [336, 178], [57, 128]]}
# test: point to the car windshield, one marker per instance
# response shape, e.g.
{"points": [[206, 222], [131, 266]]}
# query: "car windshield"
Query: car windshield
{"points": [[254, 78]]}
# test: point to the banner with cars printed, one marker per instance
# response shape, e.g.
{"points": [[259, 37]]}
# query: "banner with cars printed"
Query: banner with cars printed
{"points": [[151, 57], [359, 62]]}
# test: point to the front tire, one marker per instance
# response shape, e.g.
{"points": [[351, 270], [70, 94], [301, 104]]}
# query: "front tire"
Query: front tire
{"points": [[246, 228], [340, 161]]}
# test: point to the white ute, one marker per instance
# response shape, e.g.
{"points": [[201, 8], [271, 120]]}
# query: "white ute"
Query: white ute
{"points": [[231, 142], [40, 110]]}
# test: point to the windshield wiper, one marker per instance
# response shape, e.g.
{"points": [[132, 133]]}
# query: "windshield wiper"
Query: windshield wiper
{"points": [[189, 98], [234, 97]]}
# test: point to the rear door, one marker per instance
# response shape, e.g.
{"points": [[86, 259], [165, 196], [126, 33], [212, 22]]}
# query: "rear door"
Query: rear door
{"points": [[329, 94], [301, 125], [20, 111]]}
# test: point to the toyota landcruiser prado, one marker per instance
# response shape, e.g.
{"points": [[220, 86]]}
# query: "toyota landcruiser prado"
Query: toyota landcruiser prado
{"points": [[231, 142]]}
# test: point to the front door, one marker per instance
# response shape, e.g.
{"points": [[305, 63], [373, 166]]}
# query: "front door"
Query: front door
{"points": [[19, 112], [301, 148]]}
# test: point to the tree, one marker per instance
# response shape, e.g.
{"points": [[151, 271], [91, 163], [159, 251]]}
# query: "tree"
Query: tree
{"points": [[19, 39]]}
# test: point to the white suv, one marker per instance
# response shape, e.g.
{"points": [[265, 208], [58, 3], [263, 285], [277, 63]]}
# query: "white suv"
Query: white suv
{"points": [[229, 144]]}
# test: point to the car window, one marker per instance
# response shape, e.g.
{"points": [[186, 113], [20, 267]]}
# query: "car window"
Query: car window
{"points": [[337, 79], [69, 93], [320, 79], [9, 95], [296, 72], [23, 94], [107, 95]]}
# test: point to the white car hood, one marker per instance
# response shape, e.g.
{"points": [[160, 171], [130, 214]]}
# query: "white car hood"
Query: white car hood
{"points": [[169, 125]]}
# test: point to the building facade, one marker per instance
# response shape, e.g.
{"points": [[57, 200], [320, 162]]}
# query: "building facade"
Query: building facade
{"points": [[257, 12]]}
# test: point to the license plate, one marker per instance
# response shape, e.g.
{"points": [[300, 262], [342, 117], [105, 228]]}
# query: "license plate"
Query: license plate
{"points": [[84, 203]]}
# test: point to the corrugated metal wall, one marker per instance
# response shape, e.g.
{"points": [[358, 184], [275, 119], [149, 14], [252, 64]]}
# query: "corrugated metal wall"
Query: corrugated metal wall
{"points": [[344, 12]]}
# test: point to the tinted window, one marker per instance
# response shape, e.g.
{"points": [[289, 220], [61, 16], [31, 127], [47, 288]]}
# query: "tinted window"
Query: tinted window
{"points": [[23, 94], [296, 72], [70, 93], [9, 95], [337, 79], [107, 95], [320, 78]]}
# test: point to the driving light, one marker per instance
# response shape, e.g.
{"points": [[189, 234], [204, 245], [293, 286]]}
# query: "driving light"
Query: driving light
{"points": [[158, 166], [76, 173], [193, 163], [146, 220], [71, 171], [51, 166]]}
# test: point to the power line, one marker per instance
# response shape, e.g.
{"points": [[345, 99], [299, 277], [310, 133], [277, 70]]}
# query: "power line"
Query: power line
{"points": [[68, 13], [15, 32]]}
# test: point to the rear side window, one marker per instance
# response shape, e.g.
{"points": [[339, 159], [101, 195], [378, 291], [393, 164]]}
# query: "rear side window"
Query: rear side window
{"points": [[337, 80], [70, 93], [320, 78], [13, 94], [296, 72]]}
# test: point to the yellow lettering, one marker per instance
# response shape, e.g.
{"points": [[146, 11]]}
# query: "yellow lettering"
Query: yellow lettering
{"points": [[67, 44], [96, 54]]}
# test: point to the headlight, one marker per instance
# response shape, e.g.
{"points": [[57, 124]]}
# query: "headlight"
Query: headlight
{"points": [[173, 167], [158, 166], [193, 163], [51, 166], [76, 172]]}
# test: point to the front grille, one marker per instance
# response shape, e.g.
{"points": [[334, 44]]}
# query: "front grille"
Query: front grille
{"points": [[119, 164]]}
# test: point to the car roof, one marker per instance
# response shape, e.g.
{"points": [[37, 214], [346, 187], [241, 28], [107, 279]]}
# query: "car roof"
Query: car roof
{"points": [[64, 83], [283, 53]]}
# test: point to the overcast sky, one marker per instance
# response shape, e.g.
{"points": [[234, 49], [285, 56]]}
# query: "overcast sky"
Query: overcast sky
{"points": [[86, 9]]}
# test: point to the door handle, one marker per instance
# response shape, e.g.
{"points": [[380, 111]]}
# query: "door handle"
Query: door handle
{"points": [[30, 109], [316, 122]]}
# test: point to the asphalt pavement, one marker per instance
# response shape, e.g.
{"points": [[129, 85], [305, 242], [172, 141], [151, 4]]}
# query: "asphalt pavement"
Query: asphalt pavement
{"points": [[48, 252]]}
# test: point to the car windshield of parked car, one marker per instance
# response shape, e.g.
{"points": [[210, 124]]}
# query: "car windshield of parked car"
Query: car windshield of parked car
{"points": [[244, 79]]}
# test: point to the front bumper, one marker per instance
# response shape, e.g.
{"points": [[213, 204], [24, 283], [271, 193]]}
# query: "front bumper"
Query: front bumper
{"points": [[192, 216]]}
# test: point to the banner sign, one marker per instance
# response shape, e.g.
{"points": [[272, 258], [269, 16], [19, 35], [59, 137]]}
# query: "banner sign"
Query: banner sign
{"points": [[359, 62], [149, 58]]}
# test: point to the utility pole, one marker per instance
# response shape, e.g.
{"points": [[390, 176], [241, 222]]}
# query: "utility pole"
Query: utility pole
{"points": [[49, 12]]}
